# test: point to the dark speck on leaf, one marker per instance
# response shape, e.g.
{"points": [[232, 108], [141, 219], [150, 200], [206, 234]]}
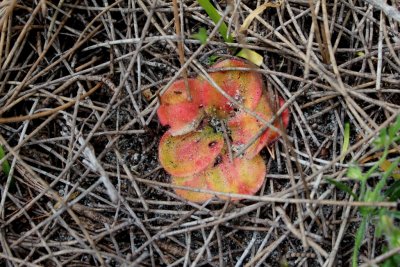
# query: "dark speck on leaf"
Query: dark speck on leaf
{"points": [[212, 144], [218, 160]]}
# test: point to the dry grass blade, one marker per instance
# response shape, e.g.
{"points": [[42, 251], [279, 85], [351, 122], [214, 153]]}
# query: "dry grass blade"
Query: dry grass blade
{"points": [[6, 9]]}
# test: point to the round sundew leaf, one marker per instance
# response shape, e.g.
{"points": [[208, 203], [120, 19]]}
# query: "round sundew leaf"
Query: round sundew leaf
{"points": [[251, 174], [177, 111], [163, 115], [197, 181], [177, 92], [181, 117], [244, 127], [270, 135], [186, 155], [264, 107], [241, 176], [244, 86]]}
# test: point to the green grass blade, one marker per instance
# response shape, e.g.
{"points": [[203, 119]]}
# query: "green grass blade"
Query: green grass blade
{"points": [[393, 192], [346, 140], [5, 166], [215, 17], [394, 128], [386, 175], [358, 240], [342, 187]]}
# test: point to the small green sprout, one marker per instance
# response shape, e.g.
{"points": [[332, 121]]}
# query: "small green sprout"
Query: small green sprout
{"points": [[201, 35], [216, 17], [381, 218]]}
